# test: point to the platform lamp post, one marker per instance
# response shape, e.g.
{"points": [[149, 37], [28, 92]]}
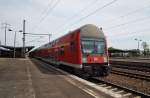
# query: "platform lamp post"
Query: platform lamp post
{"points": [[14, 55], [138, 41]]}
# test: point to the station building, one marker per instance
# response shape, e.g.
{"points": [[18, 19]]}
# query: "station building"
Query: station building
{"points": [[113, 52]]}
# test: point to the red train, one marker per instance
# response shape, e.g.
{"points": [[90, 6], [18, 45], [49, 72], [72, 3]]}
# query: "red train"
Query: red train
{"points": [[84, 49]]}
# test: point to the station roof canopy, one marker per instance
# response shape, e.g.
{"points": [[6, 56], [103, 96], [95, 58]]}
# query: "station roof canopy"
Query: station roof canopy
{"points": [[8, 51], [114, 50], [9, 48], [4, 49]]}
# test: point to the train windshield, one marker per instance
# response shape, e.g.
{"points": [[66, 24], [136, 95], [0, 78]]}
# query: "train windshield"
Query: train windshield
{"points": [[93, 47]]}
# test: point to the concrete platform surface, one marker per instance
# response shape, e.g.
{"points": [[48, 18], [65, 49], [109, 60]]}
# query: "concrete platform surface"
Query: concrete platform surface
{"points": [[21, 78]]}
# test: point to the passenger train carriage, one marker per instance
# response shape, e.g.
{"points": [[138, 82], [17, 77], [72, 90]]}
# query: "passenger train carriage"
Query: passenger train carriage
{"points": [[84, 49]]}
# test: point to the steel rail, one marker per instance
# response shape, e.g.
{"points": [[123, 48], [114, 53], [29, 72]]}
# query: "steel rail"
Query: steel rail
{"points": [[129, 90]]}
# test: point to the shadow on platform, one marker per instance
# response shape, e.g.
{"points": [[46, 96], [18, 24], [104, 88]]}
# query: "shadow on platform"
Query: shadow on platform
{"points": [[45, 68]]}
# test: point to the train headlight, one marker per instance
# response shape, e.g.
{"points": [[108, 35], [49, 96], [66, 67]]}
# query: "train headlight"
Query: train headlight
{"points": [[84, 60], [105, 59]]}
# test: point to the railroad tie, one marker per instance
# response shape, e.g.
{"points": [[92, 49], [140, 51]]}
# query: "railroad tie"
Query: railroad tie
{"points": [[102, 85], [108, 87], [121, 91], [114, 89], [127, 94], [137, 97]]}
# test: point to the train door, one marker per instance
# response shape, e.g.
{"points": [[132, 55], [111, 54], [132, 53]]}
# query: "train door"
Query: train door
{"points": [[56, 57]]}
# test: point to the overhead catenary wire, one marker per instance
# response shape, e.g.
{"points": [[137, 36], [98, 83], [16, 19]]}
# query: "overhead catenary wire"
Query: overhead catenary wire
{"points": [[78, 13], [130, 13], [44, 11], [33, 35], [37, 34], [125, 33], [92, 13], [127, 14], [82, 18], [35, 39], [46, 14], [40, 35], [48, 7], [129, 22], [50, 10]]}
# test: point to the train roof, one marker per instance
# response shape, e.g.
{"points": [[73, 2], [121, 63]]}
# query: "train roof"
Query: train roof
{"points": [[88, 30], [91, 30]]}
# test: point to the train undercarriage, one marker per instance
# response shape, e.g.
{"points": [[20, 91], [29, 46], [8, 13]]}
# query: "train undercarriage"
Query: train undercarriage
{"points": [[96, 70]]}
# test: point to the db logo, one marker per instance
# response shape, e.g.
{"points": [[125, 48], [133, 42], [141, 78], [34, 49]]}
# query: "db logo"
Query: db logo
{"points": [[95, 59]]}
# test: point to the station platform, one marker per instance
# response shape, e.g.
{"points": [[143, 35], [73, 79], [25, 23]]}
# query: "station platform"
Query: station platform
{"points": [[26, 78]]}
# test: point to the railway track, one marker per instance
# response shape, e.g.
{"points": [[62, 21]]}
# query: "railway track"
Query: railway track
{"points": [[132, 69], [116, 88], [143, 68], [131, 73], [124, 91], [140, 66]]}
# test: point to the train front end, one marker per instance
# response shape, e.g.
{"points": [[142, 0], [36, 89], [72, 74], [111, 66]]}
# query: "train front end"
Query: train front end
{"points": [[94, 51]]}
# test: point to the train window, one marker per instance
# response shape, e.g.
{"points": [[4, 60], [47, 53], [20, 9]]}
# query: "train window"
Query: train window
{"points": [[72, 46], [87, 46], [61, 52], [93, 46], [99, 47]]}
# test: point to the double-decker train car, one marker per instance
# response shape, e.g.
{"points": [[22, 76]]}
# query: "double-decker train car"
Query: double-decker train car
{"points": [[84, 49]]}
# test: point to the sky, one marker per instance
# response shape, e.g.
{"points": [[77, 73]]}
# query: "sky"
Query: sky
{"points": [[121, 20]]}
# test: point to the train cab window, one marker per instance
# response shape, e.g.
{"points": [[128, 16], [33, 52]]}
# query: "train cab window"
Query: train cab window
{"points": [[93, 46], [99, 47], [87, 46], [61, 52]]}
